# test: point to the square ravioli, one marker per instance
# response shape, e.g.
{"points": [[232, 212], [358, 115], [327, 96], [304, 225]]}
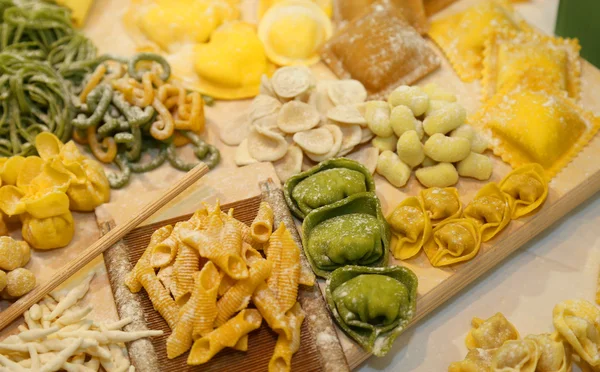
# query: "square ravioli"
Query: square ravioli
{"points": [[381, 50], [536, 127], [412, 10], [462, 36], [532, 61]]}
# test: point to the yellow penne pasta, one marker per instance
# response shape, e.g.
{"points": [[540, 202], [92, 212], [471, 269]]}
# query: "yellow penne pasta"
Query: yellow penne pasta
{"points": [[249, 254], [159, 296], [238, 296], [186, 264], [227, 335], [132, 281], [273, 252], [245, 230], [165, 275], [165, 252], [288, 271], [262, 226], [286, 347], [195, 311], [199, 219], [242, 344], [226, 283], [265, 301]]}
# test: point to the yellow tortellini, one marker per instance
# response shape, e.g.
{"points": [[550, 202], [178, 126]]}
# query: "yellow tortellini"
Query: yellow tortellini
{"points": [[477, 360], [410, 227], [578, 322], [490, 209], [527, 188], [516, 355], [490, 333], [441, 204], [555, 354], [453, 241]]}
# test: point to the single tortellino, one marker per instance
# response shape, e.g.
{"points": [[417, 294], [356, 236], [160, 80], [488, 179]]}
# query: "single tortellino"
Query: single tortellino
{"points": [[377, 114], [441, 204], [403, 120], [326, 183], [385, 143], [445, 119], [527, 188], [439, 175], [578, 322], [410, 149], [373, 318], [447, 149], [48, 233], [453, 241], [393, 169], [555, 355], [475, 166], [410, 226], [477, 360], [412, 97], [490, 209], [13, 253], [351, 231], [516, 355], [490, 333]]}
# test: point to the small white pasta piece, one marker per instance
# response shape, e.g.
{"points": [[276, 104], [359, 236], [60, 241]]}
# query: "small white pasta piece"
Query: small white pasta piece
{"points": [[428, 162], [445, 119], [71, 298], [31, 324], [377, 115], [290, 164], [291, 81], [385, 143], [37, 334], [366, 135], [268, 122], [440, 175], [263, 105], [475, 166], [35, 312], [435, 92], [393, 169], [351, 136], [296, 116], [346, 114], [233, 132], [265, 145], [317, 141], [413, 97], [402, 120], [118, 324], [447, 149], [367, 156], [10, 365], [73, 315], [410, 149], [319, 97], [346, 92], [56, 363], [266, 87], [242, 156], [338, 137], [434, 105]]}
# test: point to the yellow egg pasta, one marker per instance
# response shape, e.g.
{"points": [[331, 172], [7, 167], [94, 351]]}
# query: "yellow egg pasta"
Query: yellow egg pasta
{"points": [[521, 355], [536, 127], [410, 227], [159, 296], [265, 301], [527, 189], [186, 264], [262, 226], [453, 241], [441, 204], [490, 333], [287, 346], [577, 321], [555, 354], [227, 335], [287, 269], [13, 253], [477, 360], [490, 209], [530, 60]]}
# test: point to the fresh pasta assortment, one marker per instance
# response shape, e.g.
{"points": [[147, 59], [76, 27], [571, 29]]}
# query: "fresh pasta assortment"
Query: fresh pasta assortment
{"points": [[206, 305]]}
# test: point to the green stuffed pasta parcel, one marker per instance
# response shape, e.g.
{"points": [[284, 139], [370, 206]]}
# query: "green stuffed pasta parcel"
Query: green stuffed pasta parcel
{"points": [[373, 305]]}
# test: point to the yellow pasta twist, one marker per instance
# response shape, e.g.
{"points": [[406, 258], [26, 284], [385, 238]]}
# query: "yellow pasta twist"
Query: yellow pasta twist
{"points": [[287, 346], [262, 226]]}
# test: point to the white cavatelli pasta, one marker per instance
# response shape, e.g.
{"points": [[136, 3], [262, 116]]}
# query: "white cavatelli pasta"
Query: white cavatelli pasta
{"points": [[393, 169], [447, 149], [377, 114], [475, 166], [445, 119], [440, 175], [410, 149], [412, 97]]}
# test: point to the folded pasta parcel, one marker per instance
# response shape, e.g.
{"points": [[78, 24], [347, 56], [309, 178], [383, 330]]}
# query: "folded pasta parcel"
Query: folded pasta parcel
{"points": [[372, 318]]}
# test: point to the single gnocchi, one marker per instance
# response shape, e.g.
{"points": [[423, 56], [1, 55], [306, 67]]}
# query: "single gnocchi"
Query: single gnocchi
{"points": [[402, 120], [475, 166], [412, 97], [440, 175], [435, 92], [377, 114], [385, 143], [393, 169], [478, 143], [445, 119], [447, 149], [410, 149]]}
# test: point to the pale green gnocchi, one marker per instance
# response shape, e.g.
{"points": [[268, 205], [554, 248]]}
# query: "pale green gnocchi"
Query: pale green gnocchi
{"points": [[393, 169]]}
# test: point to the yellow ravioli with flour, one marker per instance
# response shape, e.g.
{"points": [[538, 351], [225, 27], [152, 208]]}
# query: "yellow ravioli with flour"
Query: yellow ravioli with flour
{"points": [[536, 127], [462, 36]]}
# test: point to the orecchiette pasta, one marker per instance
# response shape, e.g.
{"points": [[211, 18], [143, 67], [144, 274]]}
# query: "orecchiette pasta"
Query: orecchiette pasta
{"points": [[377, 115], [318, 141], [296, 116], [242, 156], [338, 137], [447, 149], [265, 145], [393, 169], [351, 136], [445, 119], [440, 175], [403, 120], [385, 143], [412, 97], [410, 149], [490, 333], [475, 166], [290, 164], [346, 114], [263, 105], [290, 81], [346, 92]]}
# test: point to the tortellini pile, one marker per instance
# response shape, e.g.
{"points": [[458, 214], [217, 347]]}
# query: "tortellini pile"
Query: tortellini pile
{"points": [[15, 281], [436, 221], [42, 191], [295, 117], [425, 129], [373, 318]]}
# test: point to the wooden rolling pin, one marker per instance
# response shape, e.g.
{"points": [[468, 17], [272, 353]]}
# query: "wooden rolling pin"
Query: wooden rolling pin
{"points": [[102, 244]]}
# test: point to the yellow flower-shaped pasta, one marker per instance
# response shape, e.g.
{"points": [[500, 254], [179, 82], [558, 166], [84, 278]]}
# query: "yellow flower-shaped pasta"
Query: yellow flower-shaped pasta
{"points": [[527, 189], [410, 227], [490, 209], [516, 355], [441, 204], [453, 241], [578, 322], [490, 333], [555, 355], [13, 253]]}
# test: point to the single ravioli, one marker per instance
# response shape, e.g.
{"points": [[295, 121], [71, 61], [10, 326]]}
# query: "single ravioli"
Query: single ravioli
{"points": [[351, 231], [453, 241], [373, 318], [381, 50], [293, 31], [326, 183], [412, 10], [532, 61], [410, 226], [536, 127], [462, 36], [526, 188], [441, 204], [490, 209], [490, 333]]}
